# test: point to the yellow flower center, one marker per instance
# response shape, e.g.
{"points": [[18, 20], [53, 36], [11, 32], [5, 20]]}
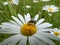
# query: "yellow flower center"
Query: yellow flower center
{"points": [[56, 33], [50, 9], [28, 29]]}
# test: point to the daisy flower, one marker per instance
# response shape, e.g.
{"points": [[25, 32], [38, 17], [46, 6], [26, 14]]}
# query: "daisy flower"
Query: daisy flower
{"points": [[27, 6], [45, 0], [35, 1], [12, 2], [27, 30], [56, 32], [50, 8]]}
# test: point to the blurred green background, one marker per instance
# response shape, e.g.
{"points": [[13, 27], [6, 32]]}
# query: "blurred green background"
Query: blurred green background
{"points": [[7, 11]]}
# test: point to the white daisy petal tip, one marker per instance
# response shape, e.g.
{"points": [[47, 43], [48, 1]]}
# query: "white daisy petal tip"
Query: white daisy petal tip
{"points": [[19, 15], [27, 17], [28, 13], [36, 17], [12, 16], [42, 19], [21, 18], [17, 20], [49, 24]]}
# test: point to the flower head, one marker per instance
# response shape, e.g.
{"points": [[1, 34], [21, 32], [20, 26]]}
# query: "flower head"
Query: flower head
{"points": [[56, 32], [15, 2], [12, 2], [50, 8], [29, 29]]}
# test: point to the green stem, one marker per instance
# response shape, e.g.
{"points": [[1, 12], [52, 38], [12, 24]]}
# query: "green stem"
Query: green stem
{"points": [[27, 41]]}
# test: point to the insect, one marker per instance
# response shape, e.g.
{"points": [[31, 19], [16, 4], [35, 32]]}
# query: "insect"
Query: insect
{"points": [[32, 22]]}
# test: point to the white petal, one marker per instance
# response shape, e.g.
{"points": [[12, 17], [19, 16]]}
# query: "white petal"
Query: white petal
{"points": [[45, 39], [11, 40], [23, 41], [47, 29], [17, 20], [51, 36], [40, 42], [9, 31], [5, 3], [6, 26], [45, 7], [44, 25], [35, 41], [39, 21], [52, 6], [36, 17], [21, 18], [10, 25], [15, 2], [32, 41], [27, 17], [28, 6], [14, 22]]}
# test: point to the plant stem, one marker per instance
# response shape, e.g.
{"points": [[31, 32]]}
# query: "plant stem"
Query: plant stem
{"points": [[27, 43]]}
